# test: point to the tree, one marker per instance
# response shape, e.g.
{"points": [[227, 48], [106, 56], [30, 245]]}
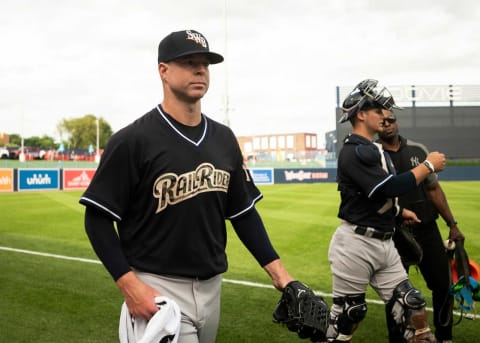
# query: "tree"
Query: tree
{"points": [[15, 139], [82, 131], [44, 142]]}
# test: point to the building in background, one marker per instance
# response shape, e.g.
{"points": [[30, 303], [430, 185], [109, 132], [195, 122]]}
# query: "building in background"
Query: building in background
{"points": [[291, 147]]}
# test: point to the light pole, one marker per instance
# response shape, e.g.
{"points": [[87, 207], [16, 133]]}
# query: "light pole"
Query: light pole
{"points": [[226, 105], [21, 156]]}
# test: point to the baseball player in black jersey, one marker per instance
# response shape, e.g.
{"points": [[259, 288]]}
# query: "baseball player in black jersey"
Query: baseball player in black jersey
{"points": [[361, 251], [169, 181], [427, 201]]}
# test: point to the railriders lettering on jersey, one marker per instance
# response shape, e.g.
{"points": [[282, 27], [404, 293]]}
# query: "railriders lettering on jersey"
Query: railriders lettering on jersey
{"points": [[171, 188]]}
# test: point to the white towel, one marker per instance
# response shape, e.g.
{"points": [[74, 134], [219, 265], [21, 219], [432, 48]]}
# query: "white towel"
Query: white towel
{"points": [[163, 327]]}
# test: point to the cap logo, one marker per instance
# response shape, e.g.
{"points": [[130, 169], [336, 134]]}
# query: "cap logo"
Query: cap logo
{"points": [[197, 38]]}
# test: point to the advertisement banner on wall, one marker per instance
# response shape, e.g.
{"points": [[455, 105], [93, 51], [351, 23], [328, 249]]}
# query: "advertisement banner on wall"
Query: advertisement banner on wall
{"points": [[38, 179], [262, 176], [6, 180], [308, 175], [77, 178]]}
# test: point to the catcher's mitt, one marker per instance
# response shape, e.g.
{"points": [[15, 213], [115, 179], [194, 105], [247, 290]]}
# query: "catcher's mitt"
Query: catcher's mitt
{"points": [[303, 312], [408, 248]]}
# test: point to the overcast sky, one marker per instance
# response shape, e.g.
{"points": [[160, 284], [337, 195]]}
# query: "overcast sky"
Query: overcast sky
{"points": [[283, 59]]}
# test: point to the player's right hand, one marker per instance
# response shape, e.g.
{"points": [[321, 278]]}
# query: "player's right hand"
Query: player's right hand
{"points": [[409, 217], [139, 297], [437, 159]]}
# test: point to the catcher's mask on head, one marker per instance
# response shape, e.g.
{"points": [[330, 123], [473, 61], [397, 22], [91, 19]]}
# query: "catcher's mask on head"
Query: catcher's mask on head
{"points": [[366, 96]]}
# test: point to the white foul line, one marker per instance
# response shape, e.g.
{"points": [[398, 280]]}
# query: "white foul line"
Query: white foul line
{"points": [[62, 257], [236, 282]]}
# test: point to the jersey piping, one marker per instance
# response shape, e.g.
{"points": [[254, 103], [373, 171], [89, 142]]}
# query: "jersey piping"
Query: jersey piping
{"points": [[96, 204], [252, 204], [180, 133], [379, 185]]}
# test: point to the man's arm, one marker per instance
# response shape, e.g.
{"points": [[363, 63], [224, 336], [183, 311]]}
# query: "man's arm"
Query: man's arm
{"points": [[409, 180], [434, 162], [278, 273], [139, 297], [105, 242], [439, 200]]}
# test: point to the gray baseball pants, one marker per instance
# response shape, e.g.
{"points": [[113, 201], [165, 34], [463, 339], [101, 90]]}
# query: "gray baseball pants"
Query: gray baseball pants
{"points": [[199, 302], [357, 261]]}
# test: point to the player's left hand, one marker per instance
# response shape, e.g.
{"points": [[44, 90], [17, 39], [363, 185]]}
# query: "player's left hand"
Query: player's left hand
{"points": [[303, 312], [455, 234], [278, 273]]}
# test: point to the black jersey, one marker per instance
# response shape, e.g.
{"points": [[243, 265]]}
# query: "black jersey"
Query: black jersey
{"points": [[410, 155], [362, 170], [170, 195]]}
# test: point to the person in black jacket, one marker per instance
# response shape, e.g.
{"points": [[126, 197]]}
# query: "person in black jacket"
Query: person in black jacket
{"points": [[428, 200]]}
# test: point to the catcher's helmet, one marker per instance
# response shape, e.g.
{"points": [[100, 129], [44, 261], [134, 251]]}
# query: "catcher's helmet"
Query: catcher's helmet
{"points": [[366, 96]]}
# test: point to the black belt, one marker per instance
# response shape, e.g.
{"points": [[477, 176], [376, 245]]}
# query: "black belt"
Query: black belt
{"points": [[371, 232]]}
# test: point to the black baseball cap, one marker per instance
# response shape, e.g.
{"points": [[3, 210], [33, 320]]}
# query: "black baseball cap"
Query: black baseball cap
{"points": [[183, 43]]}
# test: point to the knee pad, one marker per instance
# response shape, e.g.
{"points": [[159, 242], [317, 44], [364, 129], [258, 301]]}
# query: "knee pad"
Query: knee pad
{"points": [[405, 298], [353, 311], [407, 308]]}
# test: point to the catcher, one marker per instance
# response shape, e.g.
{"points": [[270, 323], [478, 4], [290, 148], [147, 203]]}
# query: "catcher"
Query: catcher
{"points": [[303, 312]]}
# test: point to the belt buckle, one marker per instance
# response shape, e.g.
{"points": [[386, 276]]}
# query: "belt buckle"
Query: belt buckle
{"points": [[369, 232]]}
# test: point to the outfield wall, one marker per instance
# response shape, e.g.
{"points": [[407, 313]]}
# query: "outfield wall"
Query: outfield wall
{"points": [[316, 175], [41, 179]]}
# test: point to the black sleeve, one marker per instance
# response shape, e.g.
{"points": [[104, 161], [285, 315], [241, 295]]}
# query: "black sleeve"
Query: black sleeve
{"points": [[399, 184], [251, 231], [105, 242]]}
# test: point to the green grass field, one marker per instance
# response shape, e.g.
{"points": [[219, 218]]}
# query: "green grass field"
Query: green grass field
{"points": [[50, 299]]}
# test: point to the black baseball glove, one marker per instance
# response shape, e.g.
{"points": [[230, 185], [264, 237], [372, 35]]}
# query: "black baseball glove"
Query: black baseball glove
{"points": [[408, 248], [303, 312]]}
